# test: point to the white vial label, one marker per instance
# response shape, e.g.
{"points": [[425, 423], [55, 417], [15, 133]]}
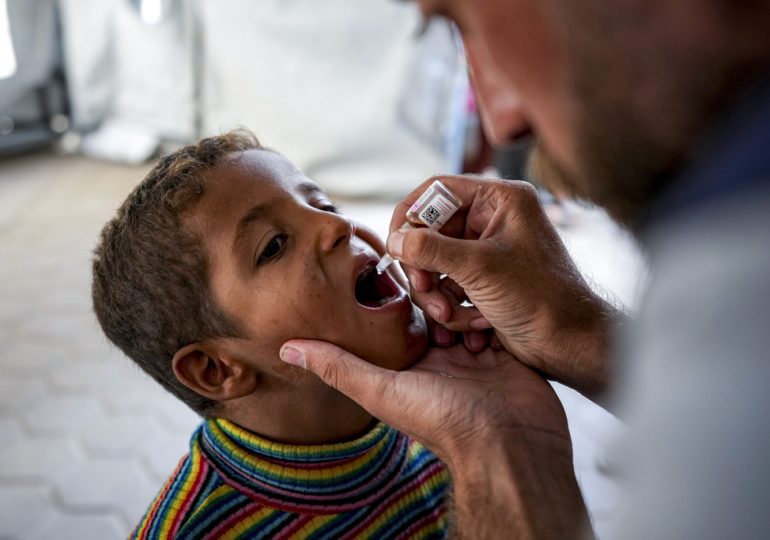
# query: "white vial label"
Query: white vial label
{"points": [[423, 198], [438, 212]]}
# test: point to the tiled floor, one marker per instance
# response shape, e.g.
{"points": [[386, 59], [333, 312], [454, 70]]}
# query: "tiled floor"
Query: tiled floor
{"points": [[85, 438]]}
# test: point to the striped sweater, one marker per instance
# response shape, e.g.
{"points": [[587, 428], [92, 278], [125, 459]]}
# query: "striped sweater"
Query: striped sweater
{"points": [[234, 484]]}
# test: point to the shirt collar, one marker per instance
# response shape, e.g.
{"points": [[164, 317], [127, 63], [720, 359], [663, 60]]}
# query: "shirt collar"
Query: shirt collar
{"points": [[329, 478]]}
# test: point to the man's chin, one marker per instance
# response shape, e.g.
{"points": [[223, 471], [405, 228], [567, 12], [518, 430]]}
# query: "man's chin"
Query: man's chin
{"points": [[542, 167], [595, 189]]}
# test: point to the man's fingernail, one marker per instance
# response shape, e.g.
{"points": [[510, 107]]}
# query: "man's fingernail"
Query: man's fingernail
{"points": [[476, 340], [396, 243], [442, 336], [293, 356], [412, 279], [434, 311], [479, 323]]}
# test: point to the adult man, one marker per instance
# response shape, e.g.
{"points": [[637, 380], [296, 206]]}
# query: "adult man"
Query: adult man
{"points": [[657, 111]]}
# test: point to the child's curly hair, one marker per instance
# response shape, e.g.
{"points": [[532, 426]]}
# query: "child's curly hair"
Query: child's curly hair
{"points": [[150, 275]]}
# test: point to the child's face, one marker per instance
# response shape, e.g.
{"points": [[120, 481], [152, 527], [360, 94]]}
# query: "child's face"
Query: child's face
{"points": [[283, 264]]}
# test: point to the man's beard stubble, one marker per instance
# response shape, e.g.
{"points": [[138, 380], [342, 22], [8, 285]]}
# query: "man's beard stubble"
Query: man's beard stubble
{"points": [[626, 190], [620, 165]]}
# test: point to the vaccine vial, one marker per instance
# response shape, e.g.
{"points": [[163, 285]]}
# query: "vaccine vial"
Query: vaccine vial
{"points": [[432, 210]]}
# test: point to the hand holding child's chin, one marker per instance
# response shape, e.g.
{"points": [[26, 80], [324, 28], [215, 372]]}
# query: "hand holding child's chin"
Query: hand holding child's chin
{"points": [[448, 400]]}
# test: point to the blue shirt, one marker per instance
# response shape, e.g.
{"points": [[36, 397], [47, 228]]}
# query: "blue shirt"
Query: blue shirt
{"points": [[733, 159]]}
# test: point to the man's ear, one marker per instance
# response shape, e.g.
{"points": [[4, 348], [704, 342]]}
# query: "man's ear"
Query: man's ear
{"points": [[210, 370]]}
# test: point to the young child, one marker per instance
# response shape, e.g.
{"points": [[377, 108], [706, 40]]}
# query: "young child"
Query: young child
{"points": [[224, 252]]}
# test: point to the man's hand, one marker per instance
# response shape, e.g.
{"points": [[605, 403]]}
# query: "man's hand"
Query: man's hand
{"points": [[502, 254], [497, 424]]}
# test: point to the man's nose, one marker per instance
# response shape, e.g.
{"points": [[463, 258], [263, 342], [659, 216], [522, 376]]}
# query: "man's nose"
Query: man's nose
{"points": [[500, 107], [334, 231]]}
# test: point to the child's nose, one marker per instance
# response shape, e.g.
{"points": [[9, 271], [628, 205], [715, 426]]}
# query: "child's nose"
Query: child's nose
{"points": [[335, 231]]}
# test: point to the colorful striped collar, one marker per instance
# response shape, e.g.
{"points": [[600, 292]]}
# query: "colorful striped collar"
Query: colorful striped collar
{"points": [[329, 478]]}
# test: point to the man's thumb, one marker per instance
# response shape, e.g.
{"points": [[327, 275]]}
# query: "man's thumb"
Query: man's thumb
{"points": [[356, 378], [428, 250]]}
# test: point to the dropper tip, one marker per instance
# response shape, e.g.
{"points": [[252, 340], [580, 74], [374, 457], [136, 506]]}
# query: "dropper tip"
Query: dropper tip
{"points": [[386, 261]]}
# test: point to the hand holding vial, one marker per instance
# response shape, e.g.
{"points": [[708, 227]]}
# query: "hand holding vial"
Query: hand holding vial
{"points": [[500, 252], [433, 209]]}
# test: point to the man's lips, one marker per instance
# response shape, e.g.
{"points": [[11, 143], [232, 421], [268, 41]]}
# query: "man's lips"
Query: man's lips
{"points": [[374, 291]]}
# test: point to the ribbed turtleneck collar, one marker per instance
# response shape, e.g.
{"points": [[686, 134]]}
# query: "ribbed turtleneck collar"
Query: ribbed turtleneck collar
{"points": [[328, 478]]}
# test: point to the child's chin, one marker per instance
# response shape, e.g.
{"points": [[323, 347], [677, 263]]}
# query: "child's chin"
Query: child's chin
{"points": [[403, 355], [416, 342], [408, 343]]}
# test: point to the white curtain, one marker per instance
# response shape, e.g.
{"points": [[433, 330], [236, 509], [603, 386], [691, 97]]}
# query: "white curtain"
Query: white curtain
{"points": [[33, 31], [342, 87], [120, 68]]}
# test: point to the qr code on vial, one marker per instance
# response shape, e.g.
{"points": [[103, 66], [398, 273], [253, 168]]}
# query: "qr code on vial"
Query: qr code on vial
{"points": [[430, 215]]}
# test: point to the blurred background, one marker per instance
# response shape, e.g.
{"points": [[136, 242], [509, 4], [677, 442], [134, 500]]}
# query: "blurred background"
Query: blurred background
{"points": [[360, 95]]}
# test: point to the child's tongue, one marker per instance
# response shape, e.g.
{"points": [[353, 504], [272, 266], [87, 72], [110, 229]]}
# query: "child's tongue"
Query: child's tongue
{"points": [[373, 289]]}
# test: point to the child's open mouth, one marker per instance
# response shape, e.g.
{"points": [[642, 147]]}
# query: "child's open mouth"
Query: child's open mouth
{"points": [[374, 290]]}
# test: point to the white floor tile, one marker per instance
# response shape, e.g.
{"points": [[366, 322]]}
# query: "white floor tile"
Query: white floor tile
{"points": [[22, 507], [117, 485], [37, 459], [60, 415], [78, 527]]}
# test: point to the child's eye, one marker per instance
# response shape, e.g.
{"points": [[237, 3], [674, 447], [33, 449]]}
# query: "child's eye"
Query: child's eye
{"points": [[329, 207], [273, 248]]}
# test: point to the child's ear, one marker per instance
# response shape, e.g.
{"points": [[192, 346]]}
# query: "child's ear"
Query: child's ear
{"points": [[210, 370]]}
